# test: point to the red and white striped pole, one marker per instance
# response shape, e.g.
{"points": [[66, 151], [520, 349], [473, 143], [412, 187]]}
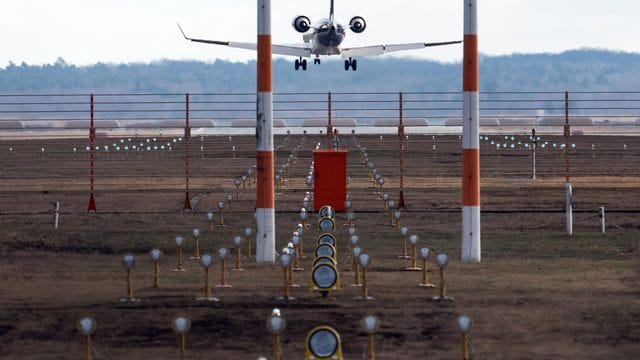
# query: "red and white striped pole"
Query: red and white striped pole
{"points": [[470, 137], [265, 201]]}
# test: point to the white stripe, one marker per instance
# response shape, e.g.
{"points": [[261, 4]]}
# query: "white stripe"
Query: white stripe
{"points": [[470, 17], [265, 235], [470, 120], [470, 234], [264, 118], [264, 17]]}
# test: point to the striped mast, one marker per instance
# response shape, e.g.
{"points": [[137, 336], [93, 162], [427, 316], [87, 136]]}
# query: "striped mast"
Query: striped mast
{"points": [[470, 137], [265, 201]]}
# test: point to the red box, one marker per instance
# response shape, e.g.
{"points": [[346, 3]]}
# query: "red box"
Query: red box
{"points": [[329, 179]]}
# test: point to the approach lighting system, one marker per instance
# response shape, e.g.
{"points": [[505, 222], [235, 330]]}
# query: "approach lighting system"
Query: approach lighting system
{"points": [[326, 224], [403, 232], [325, 250], [424, 254], [327, 239], [464, 324], [206, 261], [181, 325], [364, 261], [370, 325], [324, 278], [275, 325], [86, 326], [323, 342], [223, 254], [129, 261], [210, 217], [196, 236], [180, 259], [247, 236]]}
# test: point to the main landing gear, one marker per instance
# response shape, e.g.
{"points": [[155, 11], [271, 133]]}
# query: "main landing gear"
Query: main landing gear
{"points": [[301, 63], [351, 63]]}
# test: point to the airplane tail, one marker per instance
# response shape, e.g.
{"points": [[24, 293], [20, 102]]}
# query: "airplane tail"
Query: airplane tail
{"points": [[331, 12]]}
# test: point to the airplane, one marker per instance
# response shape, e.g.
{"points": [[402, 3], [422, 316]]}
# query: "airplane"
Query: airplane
{"points": [[325, 39]]}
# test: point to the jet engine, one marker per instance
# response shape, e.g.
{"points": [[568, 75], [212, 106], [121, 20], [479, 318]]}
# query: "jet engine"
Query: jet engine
{"points": [[357, 24], [302, 24]]}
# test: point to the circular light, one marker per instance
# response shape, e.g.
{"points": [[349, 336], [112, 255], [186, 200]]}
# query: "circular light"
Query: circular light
{"points": [[354, 239], [210, 216], [276, 323], [303, 214], [324, 260], [464, 323], [300, 229], [181, 324], [327, 239], [356, 251], [350, 215], [326, 224], [206, 261], [404, 230], [223, 253], [424, 253], [220, 205], [370, 324], [327, 211], [195, 232], [385, 197], [244, 178], [442, 260], [247, 231], [179, 241], [325, 250], [364, 259], [284, 260], [295, 240], [392, 204], [397, 214], [324, 276], [86, 325], [129, 261], [352, 231], [155, 254], [413, 239], [236, 182], [323, 343], [229, 197], [347, 204], [237, 241]]}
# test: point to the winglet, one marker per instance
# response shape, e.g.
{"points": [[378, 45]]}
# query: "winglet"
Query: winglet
{"points": [[183, 34]]}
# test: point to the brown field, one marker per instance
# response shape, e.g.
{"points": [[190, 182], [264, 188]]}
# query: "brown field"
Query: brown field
{"points": [[538, 293]]}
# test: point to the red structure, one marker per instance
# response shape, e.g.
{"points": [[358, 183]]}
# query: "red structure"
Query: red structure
{"points": [[330, 179]]}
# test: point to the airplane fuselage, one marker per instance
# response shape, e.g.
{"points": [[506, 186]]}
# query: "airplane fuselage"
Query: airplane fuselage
{"points": [[327, 39]]}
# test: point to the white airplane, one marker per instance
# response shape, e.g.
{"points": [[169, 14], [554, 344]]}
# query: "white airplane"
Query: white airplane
{"points": [[325, 39]]}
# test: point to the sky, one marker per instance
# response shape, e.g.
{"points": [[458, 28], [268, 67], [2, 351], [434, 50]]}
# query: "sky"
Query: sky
{"points": [[85, 32]]}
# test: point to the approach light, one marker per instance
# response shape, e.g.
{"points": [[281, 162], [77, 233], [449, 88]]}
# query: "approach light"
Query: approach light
{"points": [[129, 261], [86, 326], [370, 324], [181, 325], [237, 243], [464, 324], [196, 234], [424, 254], [223, 253], [326, 224], [155, 255], [442, 260], [413, 239], [323, 342]]}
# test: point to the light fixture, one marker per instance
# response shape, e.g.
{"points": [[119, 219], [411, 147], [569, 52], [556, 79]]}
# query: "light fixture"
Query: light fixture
{"points": [[325, 250], [247, 236], [206, 261], [181, 325], [355, 266], [442, 260], [424, 254], [86, 326], [155, 255], [326, 224], [285, 260], [237, 242], [210, 217], [295, 240], [229, 199], [413, 240], [364, 260], [196, 236], [236, 182], [370, 325], [324, 278], [221, 208], [129, 261], [350, 217], [327, 239], [404, 231], [323, 342], [276, 324], [464, 324], [179, 243], [223, 253]]}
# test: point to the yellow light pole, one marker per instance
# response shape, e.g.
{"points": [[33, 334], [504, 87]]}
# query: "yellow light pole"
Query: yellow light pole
{"points": [[413, 239], [206, 261], [237, 242], [442, 260], [355, 254], [424, 254], [210, 217], [129, 261], [181, 326], [221, 208], [284, 261], [464, 324], [155, 255], [196, 236], [223, 253], [179, 257], [275, 325], [370, 325], [404, 231], [86, 326], [247, 235], [364, 260]]}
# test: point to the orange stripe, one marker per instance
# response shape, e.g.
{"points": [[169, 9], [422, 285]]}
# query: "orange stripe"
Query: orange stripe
{"points": [[264, 63], [470, 61], [264, 174], [470, 177]]}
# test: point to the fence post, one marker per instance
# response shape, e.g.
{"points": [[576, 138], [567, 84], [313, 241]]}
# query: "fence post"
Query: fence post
{"points": [[92, 138], [187, 136], [401, 203], [329, 123], [56, 213], [569, 208], [602, 220], [533, 154], [567, 135]]}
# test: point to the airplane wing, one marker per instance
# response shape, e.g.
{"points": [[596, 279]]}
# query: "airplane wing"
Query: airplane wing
{"points": [[290, 50], [381, 49]]}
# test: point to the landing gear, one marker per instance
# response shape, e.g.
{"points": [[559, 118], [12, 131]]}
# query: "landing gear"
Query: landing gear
{"points": [[301, 63], [316, 61], [351, 63]]}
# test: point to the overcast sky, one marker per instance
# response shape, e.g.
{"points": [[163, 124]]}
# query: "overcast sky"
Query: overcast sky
{"points": [[88, 31]]}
